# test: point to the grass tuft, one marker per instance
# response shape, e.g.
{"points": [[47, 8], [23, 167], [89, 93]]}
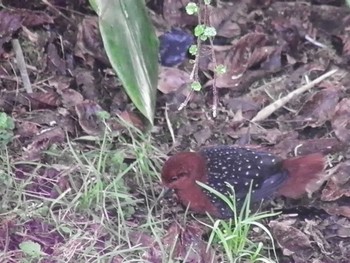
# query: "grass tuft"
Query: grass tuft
{"points": [[234, 236]]}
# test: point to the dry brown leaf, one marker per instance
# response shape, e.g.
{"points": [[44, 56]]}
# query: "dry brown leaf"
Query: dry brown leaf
{"points": [[174, 15], [71, 98], [42, 142], [132, 119], [319, 108], [89, 41], [89, 121], [224, 20], [341, 120], [55, 63], [188, 243], [292, 145], [171, 79], [291, 240], [338, 184], [42, 99]]}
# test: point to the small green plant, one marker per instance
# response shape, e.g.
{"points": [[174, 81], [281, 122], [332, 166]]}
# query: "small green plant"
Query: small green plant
{"points": [[6, 129], [31, 249], [203, 31], [233, 234]]}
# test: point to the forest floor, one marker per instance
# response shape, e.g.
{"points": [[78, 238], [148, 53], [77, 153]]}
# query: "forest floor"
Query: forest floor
{"points": [[73, 191]]}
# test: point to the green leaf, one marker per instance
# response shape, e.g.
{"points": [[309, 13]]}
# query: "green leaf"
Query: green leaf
{"points": [[103, 115], [6, 122], [199, 30], [210, 31], [196, 86], [220, 69], [203, 37], [66, 230], [193, 50], [132, 48], [30, 248], [94, 5], [192, 8]]}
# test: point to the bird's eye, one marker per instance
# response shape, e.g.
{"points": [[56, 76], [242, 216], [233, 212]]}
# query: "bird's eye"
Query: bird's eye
{"points": [[174, 178], [182, 174], [177, 176]]}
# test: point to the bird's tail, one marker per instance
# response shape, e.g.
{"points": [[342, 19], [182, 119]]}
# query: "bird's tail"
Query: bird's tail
{"points": [[305, 172]]}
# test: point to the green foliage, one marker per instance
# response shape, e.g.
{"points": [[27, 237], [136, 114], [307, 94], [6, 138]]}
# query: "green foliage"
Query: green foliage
{"points": [[199, 30], [192, 8], [6, 129], [193, 50], [220, 69], [196, 86], [233, 234], [203, 32], [30, 248], [103, 115], [132, 48]]}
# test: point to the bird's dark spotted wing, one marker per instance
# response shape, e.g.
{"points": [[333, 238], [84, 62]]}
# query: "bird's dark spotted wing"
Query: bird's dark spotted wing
{"points": [[240, 168]]}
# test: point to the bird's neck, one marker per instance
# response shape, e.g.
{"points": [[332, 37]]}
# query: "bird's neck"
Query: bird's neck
{"points": [[196, 199]]}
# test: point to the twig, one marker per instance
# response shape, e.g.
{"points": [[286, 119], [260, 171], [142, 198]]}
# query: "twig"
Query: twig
{"points": [[170, 127], [195, 69], [55, 9], [268, 110], [215, 89], [10, 78], [285, 107], [21, 64], [314, 42], [188, 98]]}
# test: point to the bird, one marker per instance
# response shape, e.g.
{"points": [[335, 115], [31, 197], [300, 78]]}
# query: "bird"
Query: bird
{"points": [[220, 166]]}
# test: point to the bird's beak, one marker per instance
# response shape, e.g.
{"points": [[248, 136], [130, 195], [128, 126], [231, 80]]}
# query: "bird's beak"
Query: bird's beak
{"points": [[165, 193]]}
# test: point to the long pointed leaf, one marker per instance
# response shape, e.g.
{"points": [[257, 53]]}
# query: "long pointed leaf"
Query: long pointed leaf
{"points": [[132, 48]]}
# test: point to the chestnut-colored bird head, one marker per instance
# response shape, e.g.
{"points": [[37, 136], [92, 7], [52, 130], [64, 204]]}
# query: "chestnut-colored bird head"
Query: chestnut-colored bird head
{"points": [[182, 170]]}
